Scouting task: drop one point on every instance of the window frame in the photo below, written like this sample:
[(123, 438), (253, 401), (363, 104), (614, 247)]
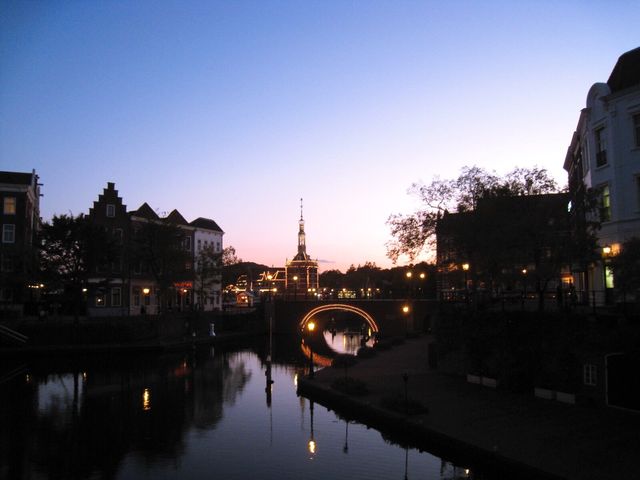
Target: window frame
[(601, 146), (111, 210), (8, 231), (605, 206), (590, 374), (100, 299), (6, 201), (114, 296)]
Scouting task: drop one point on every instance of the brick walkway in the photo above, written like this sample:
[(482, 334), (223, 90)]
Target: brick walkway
[(564, 440)]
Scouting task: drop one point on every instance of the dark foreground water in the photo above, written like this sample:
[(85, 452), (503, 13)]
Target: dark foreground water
[(201, 414)]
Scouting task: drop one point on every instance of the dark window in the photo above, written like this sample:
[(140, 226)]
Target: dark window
[(8, 233), (116, 297), (590, 374), (6, 264), (111, 210), (117, 233), (601, 147), (636, 128)]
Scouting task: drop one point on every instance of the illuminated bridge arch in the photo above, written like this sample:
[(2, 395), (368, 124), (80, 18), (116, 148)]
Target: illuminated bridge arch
[(343, 307)]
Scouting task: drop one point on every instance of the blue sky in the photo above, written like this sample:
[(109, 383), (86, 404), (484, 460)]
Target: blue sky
[(235, 110)]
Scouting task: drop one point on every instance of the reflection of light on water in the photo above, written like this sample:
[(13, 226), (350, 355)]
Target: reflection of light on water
[(345, 342), (295, 380), (146, 399), (312, 447)]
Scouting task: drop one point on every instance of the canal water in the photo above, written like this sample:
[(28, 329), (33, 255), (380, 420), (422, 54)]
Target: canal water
[(203, 413)]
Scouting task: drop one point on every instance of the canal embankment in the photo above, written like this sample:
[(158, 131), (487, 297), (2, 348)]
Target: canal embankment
[(172, 331), (487, 429)]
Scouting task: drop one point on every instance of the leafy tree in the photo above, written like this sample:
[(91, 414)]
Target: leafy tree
[(71, 249), (414, 234), (208, 272), (229, 256), (626, 266), (159, 246)]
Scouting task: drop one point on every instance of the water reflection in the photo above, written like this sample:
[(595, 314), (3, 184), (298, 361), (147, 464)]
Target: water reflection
[(194, 414)]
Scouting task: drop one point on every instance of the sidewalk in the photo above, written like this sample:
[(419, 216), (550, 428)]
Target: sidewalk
[(566, 441)]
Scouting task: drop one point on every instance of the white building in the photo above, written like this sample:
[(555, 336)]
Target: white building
[(207, 237), (605, 155)]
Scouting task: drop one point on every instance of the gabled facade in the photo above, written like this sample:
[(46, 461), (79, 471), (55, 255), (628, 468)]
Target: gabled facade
[(140, 280), (604, 155), (207, 238), (20, 224)]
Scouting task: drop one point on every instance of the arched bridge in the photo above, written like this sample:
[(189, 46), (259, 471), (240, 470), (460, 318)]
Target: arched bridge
[(386, 317)]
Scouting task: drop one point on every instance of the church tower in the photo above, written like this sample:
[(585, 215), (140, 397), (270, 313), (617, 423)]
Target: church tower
[(301, 273)]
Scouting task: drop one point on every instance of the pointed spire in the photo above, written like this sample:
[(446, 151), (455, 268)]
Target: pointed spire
[(302, 248)]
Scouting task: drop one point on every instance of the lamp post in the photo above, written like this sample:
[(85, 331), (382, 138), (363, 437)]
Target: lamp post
[(409, 275), (406, 310), (606, 251), (311, 326), (524, 287), (422, 277), (465, 268)]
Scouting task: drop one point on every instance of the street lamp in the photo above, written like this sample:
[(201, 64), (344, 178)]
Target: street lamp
[(421, 290)]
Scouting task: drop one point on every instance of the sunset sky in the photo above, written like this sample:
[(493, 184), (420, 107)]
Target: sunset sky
[(234, 110)]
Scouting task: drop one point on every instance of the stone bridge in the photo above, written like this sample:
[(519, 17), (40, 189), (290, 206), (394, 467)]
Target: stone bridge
[(387, 317)]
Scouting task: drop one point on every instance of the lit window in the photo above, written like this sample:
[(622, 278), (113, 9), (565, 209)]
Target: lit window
[(590, 374), (605, 204), (100, 299), (8, 233), (116, 297), (9, 205), (601, 147), (636, 128), (111, 210)]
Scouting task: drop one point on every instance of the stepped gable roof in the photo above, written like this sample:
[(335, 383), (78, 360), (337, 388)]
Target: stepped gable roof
[(206, 223), (626, 72), (176, 218), (145, 211), (16, 178)]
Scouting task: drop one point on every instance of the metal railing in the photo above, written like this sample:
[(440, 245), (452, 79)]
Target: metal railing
[(12, 335)]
